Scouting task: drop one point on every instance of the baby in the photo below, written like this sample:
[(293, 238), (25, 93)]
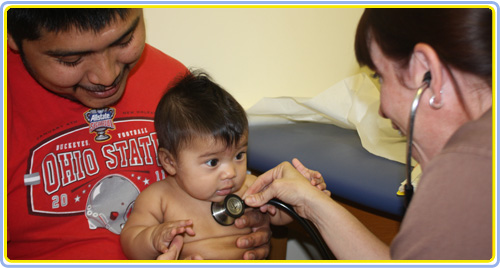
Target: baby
[(203, 139)]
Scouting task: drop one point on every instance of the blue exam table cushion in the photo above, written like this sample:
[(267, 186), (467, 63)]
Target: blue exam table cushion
[(350, 172)]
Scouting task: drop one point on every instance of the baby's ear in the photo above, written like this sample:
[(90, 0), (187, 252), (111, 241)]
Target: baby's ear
[(167, 161)]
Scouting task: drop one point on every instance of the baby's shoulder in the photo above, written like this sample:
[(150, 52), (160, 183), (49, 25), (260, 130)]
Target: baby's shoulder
[(156, 197), (250, 179), (159, 188)]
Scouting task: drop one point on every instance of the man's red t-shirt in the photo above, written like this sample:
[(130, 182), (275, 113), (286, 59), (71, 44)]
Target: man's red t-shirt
[(73, 172)]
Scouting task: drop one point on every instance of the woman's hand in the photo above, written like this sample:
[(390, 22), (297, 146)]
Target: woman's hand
[(287, 184), (258, 242), (313, 176)]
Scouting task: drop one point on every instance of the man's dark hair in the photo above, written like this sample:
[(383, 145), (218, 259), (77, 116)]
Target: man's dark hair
[(194, 107), (28, 23)]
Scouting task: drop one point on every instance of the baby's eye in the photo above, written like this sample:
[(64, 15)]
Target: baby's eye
[(212, 162), (240, 156)]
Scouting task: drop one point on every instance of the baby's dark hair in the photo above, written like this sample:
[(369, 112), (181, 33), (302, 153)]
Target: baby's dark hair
[(196, 106)]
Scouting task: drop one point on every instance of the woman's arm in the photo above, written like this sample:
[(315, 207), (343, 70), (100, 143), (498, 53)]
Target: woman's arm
[(345, 235)]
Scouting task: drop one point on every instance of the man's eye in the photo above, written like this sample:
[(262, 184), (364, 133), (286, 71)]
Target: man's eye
[(212, 162), (70, 61), (126, 42)]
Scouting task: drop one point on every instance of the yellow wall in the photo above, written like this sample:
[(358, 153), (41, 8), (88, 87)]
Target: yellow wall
[(260, 52)]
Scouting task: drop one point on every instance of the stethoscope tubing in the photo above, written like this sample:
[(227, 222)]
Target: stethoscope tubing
[(232, 207), (313, 232), (409, 189)]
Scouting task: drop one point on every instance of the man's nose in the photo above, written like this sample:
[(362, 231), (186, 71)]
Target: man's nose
[(104, 69)]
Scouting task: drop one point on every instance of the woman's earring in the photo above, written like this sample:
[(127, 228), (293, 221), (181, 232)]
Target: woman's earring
[(434, 104)]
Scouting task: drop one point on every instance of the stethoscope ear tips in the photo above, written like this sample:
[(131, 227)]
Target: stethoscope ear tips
[(427, 77)]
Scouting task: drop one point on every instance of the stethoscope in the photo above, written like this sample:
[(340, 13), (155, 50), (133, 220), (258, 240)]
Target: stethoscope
[(233, 207), (409, 189)]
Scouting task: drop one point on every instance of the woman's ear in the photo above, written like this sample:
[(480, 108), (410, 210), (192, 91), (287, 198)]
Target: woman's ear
[(11, 43), (425, 59), (167, 161)]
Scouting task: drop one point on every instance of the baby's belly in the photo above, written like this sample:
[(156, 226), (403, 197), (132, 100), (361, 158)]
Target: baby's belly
[(221, 248)]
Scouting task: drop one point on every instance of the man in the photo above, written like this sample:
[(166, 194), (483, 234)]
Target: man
[(82, 87)]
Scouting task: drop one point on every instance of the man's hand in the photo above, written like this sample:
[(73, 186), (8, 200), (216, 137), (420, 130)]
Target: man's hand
[(258, 242), (166, 233), (174, 250)]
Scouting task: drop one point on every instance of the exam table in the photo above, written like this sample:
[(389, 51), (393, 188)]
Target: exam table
[(350, 172), (355, 177)]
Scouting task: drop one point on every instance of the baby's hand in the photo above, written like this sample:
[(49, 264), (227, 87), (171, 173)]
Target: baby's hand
[(174, 251), (313, 176), (168, 233)]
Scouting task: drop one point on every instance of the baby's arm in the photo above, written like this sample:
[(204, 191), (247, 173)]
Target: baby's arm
[(145, 236)]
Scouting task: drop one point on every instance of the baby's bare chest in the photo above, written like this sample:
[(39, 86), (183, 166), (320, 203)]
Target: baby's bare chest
[(204, 225)]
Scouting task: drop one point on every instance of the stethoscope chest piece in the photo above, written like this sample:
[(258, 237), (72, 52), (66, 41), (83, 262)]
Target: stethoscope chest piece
[(227, 211), (233, 207)]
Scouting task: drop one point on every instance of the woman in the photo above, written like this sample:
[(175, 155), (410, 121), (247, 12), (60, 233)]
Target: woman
[(446, 54)]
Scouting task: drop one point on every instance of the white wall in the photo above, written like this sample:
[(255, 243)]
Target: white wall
[(260, 52)]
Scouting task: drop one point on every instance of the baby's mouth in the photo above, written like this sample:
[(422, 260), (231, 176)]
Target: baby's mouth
[(225, 191)]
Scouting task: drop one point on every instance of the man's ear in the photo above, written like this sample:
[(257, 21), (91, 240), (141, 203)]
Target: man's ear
[(167, 161), (425, 59), (11, 43)]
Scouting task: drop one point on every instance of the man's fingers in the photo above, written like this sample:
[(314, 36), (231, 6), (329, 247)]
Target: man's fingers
[(258, 238), (194, 257), (259, 253), (251, 218), (169, 255), (174, 249)]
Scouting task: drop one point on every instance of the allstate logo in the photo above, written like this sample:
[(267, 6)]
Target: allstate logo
[(100, 121)]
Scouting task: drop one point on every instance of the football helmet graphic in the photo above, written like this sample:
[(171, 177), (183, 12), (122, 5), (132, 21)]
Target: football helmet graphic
[(110, 202)]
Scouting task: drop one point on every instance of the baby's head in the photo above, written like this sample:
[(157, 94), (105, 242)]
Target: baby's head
[(197, 107)]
